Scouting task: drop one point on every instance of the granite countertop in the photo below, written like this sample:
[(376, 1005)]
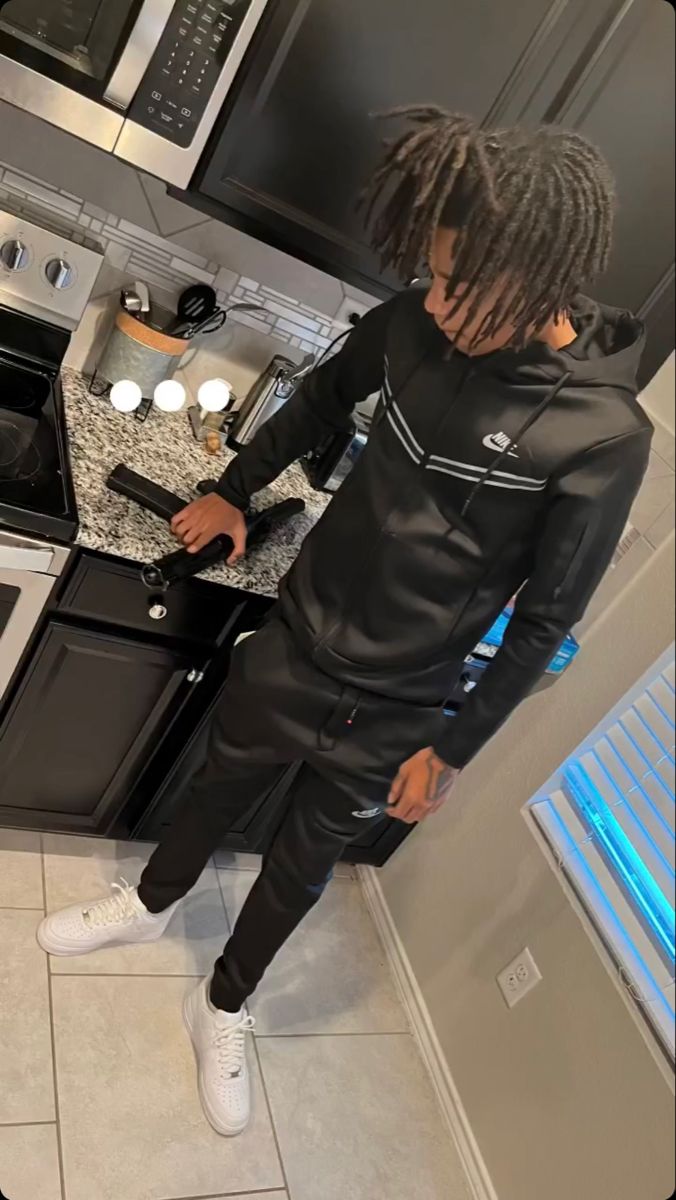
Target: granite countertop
[(164, 449)]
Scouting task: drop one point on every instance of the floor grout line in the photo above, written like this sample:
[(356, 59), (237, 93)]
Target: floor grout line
[(261, 1037), (120, 974), (225, 907), (237, 1195), (25, 1124), (59, 1146), (272, 1121), (21, 908)]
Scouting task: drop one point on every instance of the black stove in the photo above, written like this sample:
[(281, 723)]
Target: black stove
[(36, 489), (46, 279)]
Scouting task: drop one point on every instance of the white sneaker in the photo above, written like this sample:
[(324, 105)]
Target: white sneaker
[(218, 1040), (113, 921)]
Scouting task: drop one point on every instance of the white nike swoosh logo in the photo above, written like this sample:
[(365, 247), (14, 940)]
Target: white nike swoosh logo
[(492, 443)]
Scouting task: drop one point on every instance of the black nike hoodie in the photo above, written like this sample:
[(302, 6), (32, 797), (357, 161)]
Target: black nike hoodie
[(482, 477)]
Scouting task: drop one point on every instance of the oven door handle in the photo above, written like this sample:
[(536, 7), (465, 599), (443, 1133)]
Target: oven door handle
[(23, 554), (138, 52)]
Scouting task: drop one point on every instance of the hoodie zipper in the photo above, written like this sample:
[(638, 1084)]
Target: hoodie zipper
[(462, 382)]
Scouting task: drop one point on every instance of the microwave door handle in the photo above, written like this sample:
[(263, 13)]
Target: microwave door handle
[(138, 52)]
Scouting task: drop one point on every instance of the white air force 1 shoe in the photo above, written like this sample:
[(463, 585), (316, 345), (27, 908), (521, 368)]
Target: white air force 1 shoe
[(112, 921), (219, 1042)]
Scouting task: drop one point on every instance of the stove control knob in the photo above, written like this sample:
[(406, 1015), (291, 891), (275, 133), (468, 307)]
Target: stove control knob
[(59, 273), (15, 255)]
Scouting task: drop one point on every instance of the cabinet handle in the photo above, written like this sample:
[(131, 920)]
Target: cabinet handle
[(157, 612), (195, 676)]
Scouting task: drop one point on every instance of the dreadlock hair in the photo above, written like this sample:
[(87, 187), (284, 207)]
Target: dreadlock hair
[(533, 211)]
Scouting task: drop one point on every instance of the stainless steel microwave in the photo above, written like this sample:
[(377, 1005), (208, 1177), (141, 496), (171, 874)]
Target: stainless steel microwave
[(143, 79)]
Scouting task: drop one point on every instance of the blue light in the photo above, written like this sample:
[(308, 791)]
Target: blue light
[(602, 906), (638, 787), (627, 863), (563, 657), (622, 799)]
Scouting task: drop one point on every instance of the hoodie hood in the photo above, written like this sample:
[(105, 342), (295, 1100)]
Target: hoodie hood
[(606, 352)]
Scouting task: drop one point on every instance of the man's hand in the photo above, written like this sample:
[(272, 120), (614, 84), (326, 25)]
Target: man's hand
[(204, 519), (422, 785)]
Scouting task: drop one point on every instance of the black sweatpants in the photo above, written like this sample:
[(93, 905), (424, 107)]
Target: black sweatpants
[(277, 709)]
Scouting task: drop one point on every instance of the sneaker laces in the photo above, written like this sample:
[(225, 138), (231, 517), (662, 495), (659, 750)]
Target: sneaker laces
[(229, 1044), (113, 910)]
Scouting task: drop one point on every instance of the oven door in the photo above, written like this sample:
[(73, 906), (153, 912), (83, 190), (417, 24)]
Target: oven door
[(78, 63), (28, 572)]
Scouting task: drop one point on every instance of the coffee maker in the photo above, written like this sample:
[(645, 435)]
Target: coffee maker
[(270, 391)]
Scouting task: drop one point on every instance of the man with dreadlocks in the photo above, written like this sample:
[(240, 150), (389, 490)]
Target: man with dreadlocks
[(505, 453)]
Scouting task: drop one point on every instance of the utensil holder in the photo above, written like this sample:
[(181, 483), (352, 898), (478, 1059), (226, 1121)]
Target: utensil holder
[(136, 351)]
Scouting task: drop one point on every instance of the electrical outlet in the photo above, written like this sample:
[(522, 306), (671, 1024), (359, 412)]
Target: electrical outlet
[(351, 309), (518, 978)]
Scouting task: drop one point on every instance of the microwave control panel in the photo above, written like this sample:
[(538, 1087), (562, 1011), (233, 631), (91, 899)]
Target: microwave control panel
[(190, 56)]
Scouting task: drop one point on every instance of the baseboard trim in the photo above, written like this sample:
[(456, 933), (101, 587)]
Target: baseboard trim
[(433, 1056)]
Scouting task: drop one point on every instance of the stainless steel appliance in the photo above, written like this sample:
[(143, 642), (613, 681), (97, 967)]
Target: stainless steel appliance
[(145, 79), (329, 465), (270, 391), (28, 571), (45, 283)]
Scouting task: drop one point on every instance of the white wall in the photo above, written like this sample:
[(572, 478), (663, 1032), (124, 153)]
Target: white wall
[(563, 1095)]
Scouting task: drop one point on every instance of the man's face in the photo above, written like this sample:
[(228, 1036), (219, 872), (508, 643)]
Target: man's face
[(439, 306)]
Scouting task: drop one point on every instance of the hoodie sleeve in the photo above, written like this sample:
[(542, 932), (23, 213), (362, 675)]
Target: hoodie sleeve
[(589, 507), (321, 406)]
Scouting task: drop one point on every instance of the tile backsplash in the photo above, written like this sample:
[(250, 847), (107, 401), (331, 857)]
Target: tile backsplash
[(54, 179)]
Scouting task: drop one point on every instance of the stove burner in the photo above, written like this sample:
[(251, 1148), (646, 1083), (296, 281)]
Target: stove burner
[(20, 459), (35, 488)]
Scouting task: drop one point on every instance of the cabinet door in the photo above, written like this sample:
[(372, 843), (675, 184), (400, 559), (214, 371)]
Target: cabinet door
[(253, 828), (622, 98), (298, 144), (82, 721)]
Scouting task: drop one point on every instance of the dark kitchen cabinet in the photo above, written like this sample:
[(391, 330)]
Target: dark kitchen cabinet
[(622, 99), (83, 719), (295, 144)]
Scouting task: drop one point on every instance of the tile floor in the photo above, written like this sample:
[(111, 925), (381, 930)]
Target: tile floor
[(97, 1077)]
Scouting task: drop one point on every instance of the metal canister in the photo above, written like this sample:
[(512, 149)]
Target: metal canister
[(139, 352)]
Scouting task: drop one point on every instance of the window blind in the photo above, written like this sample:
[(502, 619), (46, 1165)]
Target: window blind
[(608, 816)]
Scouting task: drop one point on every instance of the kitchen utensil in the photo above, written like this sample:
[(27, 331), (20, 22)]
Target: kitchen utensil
[(270, 391), (143, 293), (209, 324), (195, 304), (214, 321), (130, 301)]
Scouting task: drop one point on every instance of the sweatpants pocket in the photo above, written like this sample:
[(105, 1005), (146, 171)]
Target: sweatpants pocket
[(340, 722)]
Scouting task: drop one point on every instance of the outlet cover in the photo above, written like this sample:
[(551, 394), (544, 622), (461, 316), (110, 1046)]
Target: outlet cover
[(519, 978), (351, 308)]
